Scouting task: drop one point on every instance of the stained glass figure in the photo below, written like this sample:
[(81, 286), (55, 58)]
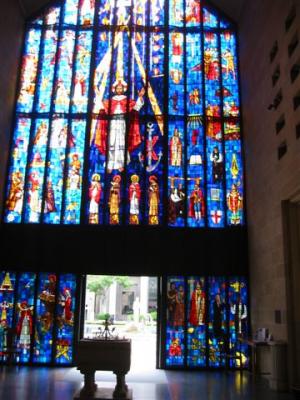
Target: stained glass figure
[(175, 344), (7, 294), (197, 315), (217, 315), (44, 317), (148, 101), (238, 323), (65, 319), (25, 313)]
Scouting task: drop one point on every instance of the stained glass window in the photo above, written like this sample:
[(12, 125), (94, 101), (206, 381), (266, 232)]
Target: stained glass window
[(205, 318), (128, 113), (37, 315)]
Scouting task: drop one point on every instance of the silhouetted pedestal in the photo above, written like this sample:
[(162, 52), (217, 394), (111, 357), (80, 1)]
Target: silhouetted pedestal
[(103, 355)]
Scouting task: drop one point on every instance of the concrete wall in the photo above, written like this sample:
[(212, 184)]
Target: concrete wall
[(11, 31), (269, 180)]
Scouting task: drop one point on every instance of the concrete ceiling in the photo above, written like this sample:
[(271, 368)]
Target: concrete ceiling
[(232, 8)]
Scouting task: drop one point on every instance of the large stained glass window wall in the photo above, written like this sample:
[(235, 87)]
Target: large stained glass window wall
[(128, 113)]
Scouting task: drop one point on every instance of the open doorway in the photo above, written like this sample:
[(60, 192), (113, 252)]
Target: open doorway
[(130, 303)]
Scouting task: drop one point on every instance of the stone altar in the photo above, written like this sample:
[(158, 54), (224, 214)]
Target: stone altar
[(104, 355)]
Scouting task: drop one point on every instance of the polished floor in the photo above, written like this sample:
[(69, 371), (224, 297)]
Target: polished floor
[(25, 383)]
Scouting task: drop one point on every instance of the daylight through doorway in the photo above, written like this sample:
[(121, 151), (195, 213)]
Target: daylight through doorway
[(130, 303)]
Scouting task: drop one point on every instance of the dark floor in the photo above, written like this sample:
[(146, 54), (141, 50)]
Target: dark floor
[(24, 383)]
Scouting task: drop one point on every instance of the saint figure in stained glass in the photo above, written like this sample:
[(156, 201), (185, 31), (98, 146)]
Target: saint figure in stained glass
[(115, 129)]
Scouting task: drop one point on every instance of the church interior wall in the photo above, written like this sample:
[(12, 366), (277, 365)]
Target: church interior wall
[(270, 180)]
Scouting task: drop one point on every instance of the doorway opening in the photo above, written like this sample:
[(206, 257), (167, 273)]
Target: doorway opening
[(130, 305)]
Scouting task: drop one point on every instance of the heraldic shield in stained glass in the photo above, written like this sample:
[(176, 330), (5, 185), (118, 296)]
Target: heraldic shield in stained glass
[(127, 113)]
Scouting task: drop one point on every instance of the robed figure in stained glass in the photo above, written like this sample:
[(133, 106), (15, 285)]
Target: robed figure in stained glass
[(112, 133)]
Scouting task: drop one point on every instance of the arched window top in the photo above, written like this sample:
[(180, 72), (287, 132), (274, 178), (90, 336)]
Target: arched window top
[(128, 113)]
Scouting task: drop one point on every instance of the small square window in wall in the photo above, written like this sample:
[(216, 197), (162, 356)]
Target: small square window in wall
[(280, 124), (274, 51), (282, 149), (290, 19), (298, 131), (293, 44), (296, 100), (276, 75), (295, 70)]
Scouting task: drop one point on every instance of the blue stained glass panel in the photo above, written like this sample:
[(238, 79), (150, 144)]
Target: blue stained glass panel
[(52, 16), (193, 13), (217, 314), (154, 172), (55, 177), (71, 12), (25, 315), (176, 162), (29, 71), (35, 180), (234, 182), (96, 178), (230, 89), (65, 319), (106, 13), (196, 329), (16, 178), (135, 191), (102, 79), (176, 12), (7, 294), (175, 342), (87, 12), (176, 74), (75, 170), (64, 75), (82, 74), (45, 78), (155, 104), (44, 318), (140, 14), (210, 20), (157, 13), (238, 321)]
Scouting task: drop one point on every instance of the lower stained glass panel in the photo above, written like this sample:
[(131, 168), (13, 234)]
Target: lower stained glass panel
[(7, 294), (24, 320), (37, 317), (65, 319), (45, 306), (196, 332), (175, 346), (203, 329)]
